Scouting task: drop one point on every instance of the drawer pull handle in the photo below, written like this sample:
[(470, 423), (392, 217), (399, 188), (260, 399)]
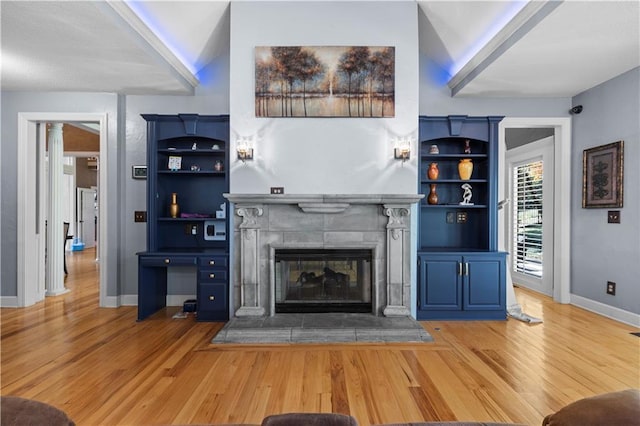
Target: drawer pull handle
[(212, 275), (166, 261), (212, 298), (212, 262)]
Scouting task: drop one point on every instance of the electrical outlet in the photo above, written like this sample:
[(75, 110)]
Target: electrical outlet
[(461, 217), (611, 288), (277, 189), (139, 216)]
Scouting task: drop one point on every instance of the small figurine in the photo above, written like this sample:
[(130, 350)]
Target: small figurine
[(194, 146), (467, 147), (217, 166), (466, 196), (195, 168), (434, 149), (215, 147)]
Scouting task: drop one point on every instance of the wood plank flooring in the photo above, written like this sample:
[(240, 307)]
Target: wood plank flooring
[(104, 368)]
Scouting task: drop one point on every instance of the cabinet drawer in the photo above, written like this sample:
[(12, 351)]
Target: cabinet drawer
[(212, 275), (167, 260), (213, 261), (212, 297)]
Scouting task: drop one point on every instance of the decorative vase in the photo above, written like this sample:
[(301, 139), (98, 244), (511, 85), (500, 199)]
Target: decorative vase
[(174, 209), (465, 168), (467, 147), (432, 172), (433, 196)]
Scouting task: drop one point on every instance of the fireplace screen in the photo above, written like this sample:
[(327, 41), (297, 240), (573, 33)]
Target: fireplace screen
[(323, 280)]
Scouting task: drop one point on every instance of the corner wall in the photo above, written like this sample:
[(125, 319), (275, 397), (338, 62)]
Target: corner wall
[(601, 251)]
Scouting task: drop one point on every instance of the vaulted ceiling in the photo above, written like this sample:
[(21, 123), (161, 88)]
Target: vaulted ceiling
[(486, 48)]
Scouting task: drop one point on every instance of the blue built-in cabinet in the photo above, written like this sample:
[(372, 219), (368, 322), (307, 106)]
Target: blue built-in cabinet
[(461, 275), (187, 155)]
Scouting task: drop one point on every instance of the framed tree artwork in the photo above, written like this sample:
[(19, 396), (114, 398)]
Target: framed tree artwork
[(325, 81), (602, 176)]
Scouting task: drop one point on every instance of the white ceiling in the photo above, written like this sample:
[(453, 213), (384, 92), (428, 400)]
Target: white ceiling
[(531, 49)]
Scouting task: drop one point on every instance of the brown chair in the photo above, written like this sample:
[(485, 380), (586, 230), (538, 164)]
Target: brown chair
[(65, 230), (309, 419), (613, 408), (16, 411)]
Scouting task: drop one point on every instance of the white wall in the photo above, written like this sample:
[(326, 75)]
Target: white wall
[(601, 251), (323, 155)]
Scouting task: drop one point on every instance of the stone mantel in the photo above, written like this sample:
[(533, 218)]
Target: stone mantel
[(263, 223), (324, 198)]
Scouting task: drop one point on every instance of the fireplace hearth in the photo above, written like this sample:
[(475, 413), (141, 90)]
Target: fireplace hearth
[(272, 232)]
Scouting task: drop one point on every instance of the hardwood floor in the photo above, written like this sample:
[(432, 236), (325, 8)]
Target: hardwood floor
[(104, 368)]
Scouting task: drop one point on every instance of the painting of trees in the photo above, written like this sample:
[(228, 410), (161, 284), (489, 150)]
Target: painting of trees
[(301, 81)]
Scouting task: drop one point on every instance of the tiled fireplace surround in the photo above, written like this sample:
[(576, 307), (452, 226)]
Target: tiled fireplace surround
[(263, 224)]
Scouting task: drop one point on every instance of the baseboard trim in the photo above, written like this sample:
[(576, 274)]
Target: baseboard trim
[(9, 302), (112, 302), (606, 310)]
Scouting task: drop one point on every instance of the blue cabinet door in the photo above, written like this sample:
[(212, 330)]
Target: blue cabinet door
[(441, 286), (483, 282)]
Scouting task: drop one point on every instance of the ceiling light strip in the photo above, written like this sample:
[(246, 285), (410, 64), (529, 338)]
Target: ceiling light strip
[(141, 28), (530, 15)]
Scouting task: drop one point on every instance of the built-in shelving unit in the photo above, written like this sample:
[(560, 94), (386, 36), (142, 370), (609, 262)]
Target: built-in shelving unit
[(461, 273)]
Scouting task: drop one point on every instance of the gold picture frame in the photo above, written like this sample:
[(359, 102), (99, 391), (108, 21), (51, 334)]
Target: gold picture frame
[(602, 176)]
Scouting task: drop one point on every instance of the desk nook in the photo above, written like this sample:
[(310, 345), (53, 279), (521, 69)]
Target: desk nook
[(187, 215)]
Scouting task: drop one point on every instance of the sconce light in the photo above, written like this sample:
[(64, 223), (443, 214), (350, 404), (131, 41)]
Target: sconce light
[(244, 149), (402, 150)]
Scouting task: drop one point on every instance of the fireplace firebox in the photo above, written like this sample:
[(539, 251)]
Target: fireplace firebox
[(323, 280)]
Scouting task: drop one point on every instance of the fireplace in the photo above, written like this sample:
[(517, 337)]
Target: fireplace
[(273, 235), (319, 280)]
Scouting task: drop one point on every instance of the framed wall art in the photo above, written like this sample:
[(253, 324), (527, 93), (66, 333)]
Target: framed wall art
[(332, 81), (602, 176)]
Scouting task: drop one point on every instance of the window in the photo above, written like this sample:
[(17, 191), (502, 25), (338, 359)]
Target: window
[(527, 210)]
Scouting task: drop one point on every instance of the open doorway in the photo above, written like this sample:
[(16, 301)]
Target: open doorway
[(32, 204), (561, 198), (530, 212)]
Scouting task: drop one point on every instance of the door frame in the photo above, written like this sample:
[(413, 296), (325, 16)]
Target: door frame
[(541, 149), (27, 241), (561, 196)]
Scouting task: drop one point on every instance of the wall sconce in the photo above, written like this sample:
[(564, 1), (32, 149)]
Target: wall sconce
[(244, 149), (402, 150)]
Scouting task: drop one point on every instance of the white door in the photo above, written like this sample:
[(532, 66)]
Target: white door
[(530, 182)]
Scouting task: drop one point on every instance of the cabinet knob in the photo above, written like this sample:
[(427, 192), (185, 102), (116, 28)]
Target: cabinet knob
[(212, 275), (212, 298), (212, 262), (166, 261)]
